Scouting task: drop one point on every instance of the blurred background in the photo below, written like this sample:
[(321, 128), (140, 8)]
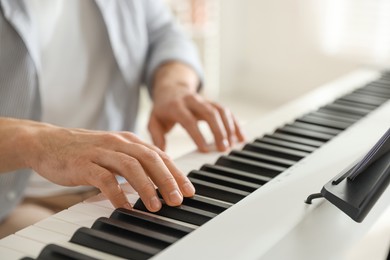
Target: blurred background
[(259, 54)]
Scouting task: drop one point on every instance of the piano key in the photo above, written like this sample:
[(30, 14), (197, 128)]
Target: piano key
[(183, 213), (348, 109), (91, 210), (56, 252), (355, 104), (286, 144), (263, 158), (364, 99), (288, 129), (89, 251), (377, 89), (370, 93), (234, 173), (7, 253), (384, 83), (208, 204), (23, 245), (281, 152), (324, 110), (42, 235), (58, 225), (324, 122), (217, 191), (111, 244), (333, 116), (134, 232), (223, 180), (154, 223), (251, 166), (296, 139), (316, 128), (76, 218)]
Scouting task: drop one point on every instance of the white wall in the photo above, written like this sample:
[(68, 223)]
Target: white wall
[(270, 50)]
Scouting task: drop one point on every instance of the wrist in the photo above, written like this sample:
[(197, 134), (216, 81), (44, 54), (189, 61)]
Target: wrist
[(175, 77)]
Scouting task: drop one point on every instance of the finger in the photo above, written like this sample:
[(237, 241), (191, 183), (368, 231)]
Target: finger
[(187, 120), (157, 171), (157, 133), (210, 114), (108, 185), (238, 129), (132, 170), (228, 122), (183, 182)]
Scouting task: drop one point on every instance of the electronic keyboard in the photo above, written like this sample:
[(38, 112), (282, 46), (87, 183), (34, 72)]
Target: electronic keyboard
[(250, 201)]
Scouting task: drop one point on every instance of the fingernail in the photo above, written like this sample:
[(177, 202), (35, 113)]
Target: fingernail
[(175, 197), (188, 189), (155, 203)]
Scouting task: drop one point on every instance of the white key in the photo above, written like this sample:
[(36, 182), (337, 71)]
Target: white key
[(11, 254), (23, 245), (42, 235), (58, 225), (91, 210), (75, 218)]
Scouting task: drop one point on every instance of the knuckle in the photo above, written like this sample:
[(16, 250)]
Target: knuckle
[(129, 163), (150, 156), (145, 188), (109, 137), (168, 181)]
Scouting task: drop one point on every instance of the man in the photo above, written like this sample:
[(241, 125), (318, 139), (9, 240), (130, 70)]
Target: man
[(79, 65)]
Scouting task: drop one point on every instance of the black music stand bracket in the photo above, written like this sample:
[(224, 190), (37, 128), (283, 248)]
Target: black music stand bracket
[(356, 190)]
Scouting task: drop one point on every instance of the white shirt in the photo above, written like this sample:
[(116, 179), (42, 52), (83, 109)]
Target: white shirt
[(77, 63)]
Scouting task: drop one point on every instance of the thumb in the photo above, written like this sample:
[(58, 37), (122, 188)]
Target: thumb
[(157, 133)]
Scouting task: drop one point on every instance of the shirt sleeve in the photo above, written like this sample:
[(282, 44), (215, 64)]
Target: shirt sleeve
[(167, 41)]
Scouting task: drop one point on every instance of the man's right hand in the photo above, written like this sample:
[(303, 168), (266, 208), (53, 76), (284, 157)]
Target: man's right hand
[(72, 157)]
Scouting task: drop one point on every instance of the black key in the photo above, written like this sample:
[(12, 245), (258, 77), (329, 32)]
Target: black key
[(364, 99), (333, 116), (112, 244), (348, 109), (296, 139), (263, 158), (304, 133), (183, 213), (384, 83), (153, 223), (316, 128), (217, 191), (370, 93), (204, 203), (377, 89), (207, 204), (324, 122), (55, 252), (242, 164), (286, 153), (331, 112), (223, 180), (286, 144), (130, 231), (234, 173), (354, 104)]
